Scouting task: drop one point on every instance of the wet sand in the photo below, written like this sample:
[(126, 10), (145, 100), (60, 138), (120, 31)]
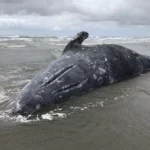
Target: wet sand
[(112, 117)]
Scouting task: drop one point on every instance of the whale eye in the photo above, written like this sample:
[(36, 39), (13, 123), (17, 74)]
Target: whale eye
[(37, 97), (38, 106)]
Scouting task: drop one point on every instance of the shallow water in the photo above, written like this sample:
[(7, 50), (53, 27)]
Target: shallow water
[(112, 117)]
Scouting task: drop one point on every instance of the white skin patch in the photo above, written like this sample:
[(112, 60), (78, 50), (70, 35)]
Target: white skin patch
[(111, 79), (46, 78), (38, 106), (67, 56), (105, 59), (35, 81), (94, 76), (58, 81), (102, 70), (18, 105)]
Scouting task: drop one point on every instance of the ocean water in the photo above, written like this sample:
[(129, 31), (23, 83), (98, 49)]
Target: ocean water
[(109, 118)]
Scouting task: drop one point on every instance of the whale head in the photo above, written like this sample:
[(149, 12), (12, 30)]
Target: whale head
[(62, 79), (28, 101)]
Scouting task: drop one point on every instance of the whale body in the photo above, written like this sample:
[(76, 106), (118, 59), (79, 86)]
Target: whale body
[(79, 69)]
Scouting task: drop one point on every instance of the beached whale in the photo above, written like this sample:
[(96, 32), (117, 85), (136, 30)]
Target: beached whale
[(79, 69)]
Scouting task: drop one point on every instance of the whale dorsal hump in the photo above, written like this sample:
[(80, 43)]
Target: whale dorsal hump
[(80, 37), (77, 40)]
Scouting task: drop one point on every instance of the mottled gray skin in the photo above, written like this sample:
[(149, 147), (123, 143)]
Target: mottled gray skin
[(79, 69)]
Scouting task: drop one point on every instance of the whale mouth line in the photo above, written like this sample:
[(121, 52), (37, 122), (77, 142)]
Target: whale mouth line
[(58, 75), (70, 87)]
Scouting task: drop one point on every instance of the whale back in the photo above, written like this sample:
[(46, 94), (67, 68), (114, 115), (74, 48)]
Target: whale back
[(117, 62)]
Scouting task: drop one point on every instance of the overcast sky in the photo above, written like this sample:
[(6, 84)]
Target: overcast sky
[(66, 17)]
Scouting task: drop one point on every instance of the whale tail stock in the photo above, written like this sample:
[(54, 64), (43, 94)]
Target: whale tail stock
[(77, 40), (146, 62)]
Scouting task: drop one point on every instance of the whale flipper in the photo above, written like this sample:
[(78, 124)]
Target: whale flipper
[(77, 41)]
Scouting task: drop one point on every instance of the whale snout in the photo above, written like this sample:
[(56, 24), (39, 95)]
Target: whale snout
[(23, 110), (16, 111)]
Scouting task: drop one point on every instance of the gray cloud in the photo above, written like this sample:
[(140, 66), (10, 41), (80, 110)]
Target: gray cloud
[(74, 15), (43, 8), (124, 12)]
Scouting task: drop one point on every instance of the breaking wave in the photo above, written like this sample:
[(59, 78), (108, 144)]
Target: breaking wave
[(55, 114), (27, 41)]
